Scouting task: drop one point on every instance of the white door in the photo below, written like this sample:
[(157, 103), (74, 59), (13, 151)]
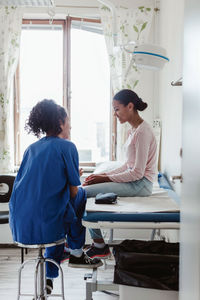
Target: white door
[(190, 225)]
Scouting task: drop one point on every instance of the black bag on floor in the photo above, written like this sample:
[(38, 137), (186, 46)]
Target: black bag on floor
[(147, 264)]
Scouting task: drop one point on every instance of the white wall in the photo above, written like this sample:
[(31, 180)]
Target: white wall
[(170, 35), (169, 102), (190, 225)]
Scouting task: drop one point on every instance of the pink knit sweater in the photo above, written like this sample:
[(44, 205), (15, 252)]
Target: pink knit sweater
[(141, 156)]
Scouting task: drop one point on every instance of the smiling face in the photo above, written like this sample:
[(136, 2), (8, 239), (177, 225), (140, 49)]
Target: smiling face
[(123, 113)]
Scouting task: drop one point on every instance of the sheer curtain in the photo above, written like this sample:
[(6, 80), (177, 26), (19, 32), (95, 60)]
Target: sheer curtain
[(132, 24), (10, 24)]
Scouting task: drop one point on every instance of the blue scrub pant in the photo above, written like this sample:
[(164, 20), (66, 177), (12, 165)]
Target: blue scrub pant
[(139, 188), (75, 233)]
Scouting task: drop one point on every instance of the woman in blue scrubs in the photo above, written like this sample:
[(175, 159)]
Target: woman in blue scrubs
[(46, 202)]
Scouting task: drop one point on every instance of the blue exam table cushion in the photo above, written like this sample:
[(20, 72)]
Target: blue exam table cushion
[(131, 217)]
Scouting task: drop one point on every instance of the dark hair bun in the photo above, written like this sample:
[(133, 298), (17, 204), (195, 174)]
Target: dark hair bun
[(141, 105), (126, 96)]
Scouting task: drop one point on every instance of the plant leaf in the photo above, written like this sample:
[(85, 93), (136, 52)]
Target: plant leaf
[(135, 83), (143, 26)]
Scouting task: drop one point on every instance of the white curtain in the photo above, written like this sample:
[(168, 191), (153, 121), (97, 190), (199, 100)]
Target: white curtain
[(10, 31), (132, 24)]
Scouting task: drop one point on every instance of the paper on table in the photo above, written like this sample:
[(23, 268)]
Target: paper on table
[(158, 202)]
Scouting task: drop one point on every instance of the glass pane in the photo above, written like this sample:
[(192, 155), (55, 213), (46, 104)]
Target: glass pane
[(90, 102), (41, 72)]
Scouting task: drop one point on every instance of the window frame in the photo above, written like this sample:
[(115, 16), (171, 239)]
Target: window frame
[(67, 25)]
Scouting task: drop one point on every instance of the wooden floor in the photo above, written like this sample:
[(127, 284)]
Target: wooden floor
[(73, 278)]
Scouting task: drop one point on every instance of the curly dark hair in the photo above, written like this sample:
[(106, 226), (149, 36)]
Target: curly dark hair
[(45, 117)]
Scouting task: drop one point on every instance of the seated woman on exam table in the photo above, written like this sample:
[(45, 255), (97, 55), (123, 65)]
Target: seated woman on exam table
[(135, 177)]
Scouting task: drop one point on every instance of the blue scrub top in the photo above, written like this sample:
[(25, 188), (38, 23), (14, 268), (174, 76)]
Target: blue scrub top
[(40, 201)]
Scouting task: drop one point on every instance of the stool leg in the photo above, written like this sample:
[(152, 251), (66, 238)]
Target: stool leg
[(45, 281), (41, 275), (61, 275), (41, 278), (22, 255), (35, 281), (20, 276), (62, 283), (19, 283)]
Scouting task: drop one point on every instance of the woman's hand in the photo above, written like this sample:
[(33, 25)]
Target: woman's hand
[(96, 178), (81, 172)]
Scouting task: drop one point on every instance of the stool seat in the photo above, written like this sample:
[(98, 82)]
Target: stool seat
[(43, 246), (40, 286)]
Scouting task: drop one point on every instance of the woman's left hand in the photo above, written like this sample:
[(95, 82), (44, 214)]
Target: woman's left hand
[(95, 178)]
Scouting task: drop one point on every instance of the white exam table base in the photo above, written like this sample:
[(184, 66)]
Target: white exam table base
[(94, 285), (131, 225)]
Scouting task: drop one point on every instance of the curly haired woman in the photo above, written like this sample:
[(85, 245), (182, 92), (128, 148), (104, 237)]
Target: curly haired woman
[(46, 202)]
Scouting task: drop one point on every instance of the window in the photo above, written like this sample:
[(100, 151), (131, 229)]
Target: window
[(76, 76), (41, 65), (90, 98)]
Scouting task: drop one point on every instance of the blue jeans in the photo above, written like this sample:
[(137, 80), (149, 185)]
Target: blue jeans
[(75, 235), (138, 188)]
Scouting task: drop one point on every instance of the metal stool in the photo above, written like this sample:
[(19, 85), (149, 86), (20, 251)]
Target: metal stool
[(40, 291)]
